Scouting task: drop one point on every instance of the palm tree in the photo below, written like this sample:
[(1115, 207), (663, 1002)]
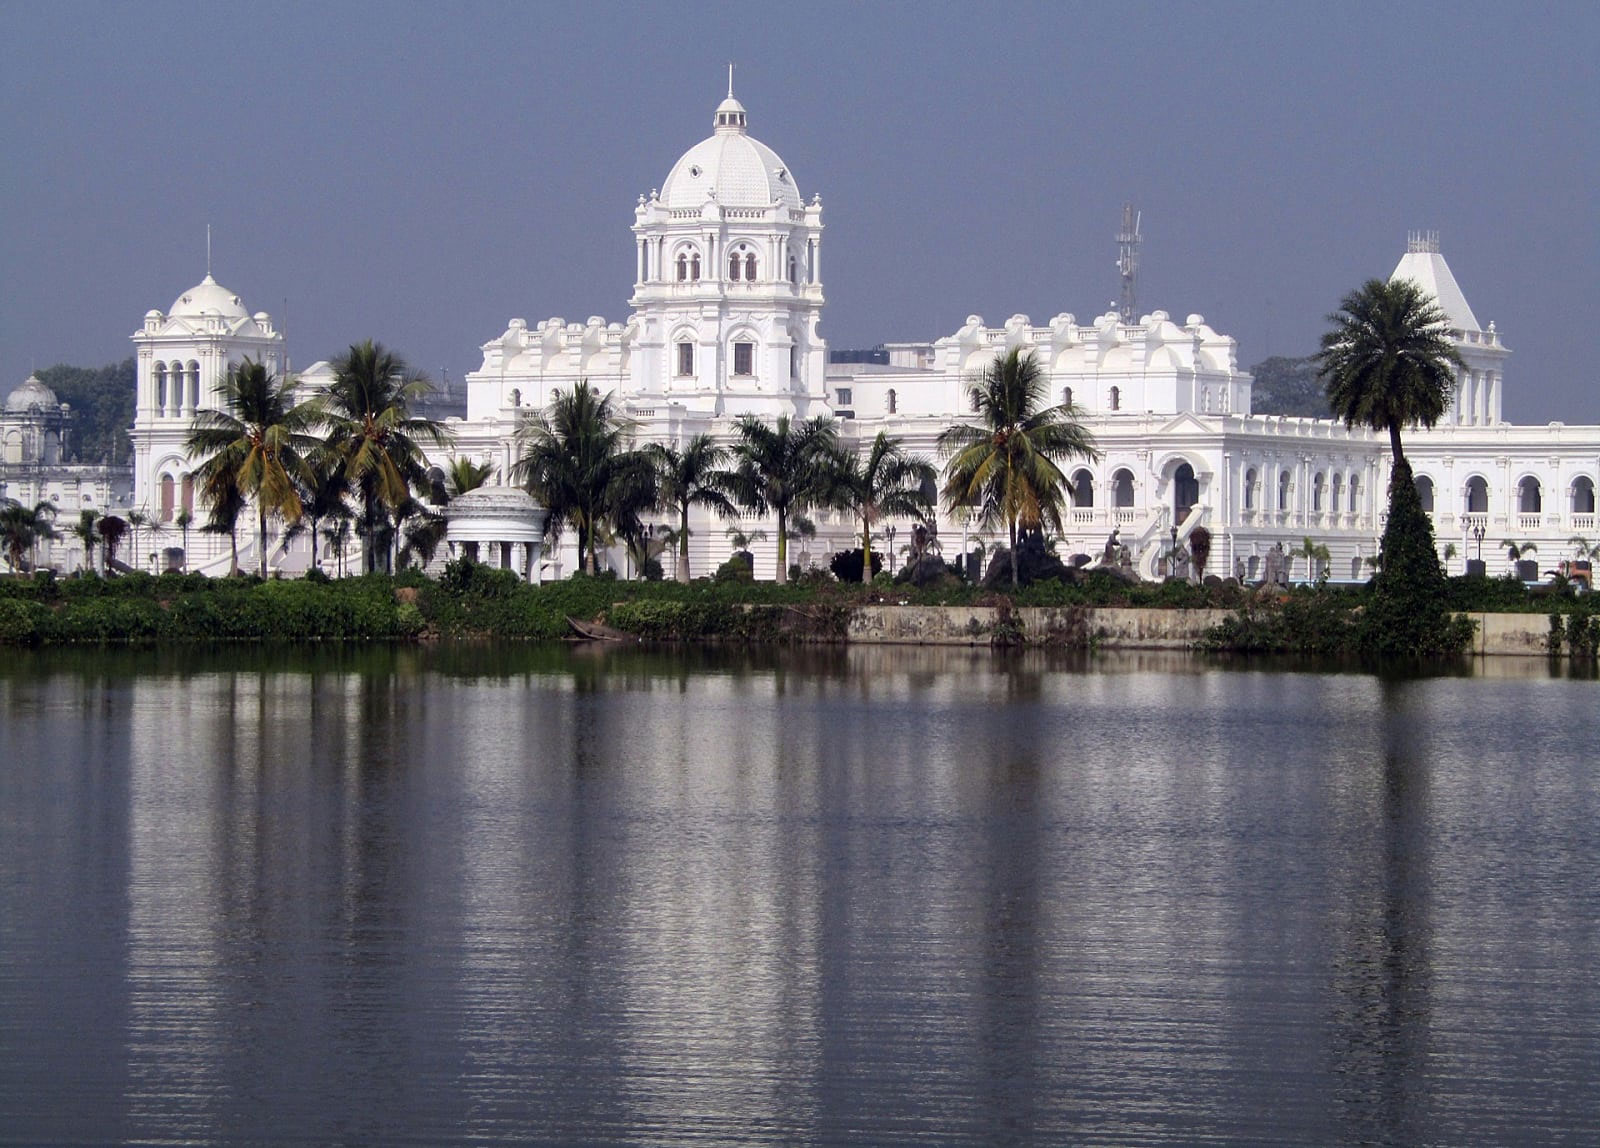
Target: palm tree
[(1313, 552), (87, 531), (690, 477), (783, 469), (373, 435), (136, 520), (1388, 362), (185, 520), (885, 483), (322, 496), (575, 460), (337, 535), (259, 442), (225, 504), (425, 534), (463, 475), (1007, 468), (21, 528), (112, 529)]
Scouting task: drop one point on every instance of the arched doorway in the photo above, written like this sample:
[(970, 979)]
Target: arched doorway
[(1185, 491)]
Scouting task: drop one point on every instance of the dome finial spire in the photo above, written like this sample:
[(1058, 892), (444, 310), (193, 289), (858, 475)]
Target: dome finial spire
[(730, 79)]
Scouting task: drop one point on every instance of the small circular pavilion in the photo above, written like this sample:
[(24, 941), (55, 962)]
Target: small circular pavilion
[(499, 525)]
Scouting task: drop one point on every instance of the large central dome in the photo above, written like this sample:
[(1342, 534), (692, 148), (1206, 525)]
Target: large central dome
[(730, 168)]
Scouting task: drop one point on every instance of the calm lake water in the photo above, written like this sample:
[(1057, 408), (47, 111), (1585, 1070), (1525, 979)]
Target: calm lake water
[(870, 896)]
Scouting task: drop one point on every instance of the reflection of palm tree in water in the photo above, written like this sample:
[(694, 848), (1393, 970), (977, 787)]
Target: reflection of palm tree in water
[(1383, 970)]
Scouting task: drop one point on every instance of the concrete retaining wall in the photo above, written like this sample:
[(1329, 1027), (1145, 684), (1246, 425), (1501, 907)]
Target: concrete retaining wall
[(1123, 628)]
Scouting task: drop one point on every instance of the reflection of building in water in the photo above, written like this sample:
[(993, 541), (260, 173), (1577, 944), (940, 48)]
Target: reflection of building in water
[(725, 320)]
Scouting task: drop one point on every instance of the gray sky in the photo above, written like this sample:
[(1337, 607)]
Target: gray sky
[(420, 174)]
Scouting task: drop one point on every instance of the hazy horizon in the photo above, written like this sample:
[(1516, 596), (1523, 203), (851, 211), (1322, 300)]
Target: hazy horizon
[(422, 174)]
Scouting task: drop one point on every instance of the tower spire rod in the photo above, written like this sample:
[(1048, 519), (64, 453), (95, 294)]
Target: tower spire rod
[(730, 79), (208, 251)]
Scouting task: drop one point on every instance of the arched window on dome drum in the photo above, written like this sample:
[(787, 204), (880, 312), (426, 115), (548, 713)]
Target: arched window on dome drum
[(161, 386), (1425, 492), (1116, 398), (1250, 489), (194, 385), (750, 268), (683, 268), (733, 266), (168, 490), (894, 401)]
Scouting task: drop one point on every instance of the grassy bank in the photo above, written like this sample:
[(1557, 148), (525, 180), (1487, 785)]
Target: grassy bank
[(476, 601)]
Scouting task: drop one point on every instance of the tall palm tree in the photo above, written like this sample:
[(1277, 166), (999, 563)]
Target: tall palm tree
[(1388, 362), (783, 469), (886, 482), (1007, 467), (185, 520), (463, 475), (259, 442), (137, 520), (87, 531), (575, 459), (224, 505), (323, 489), (373, 434), (22, 528), (690, 477)]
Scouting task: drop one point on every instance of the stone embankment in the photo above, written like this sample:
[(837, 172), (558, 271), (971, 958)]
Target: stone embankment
[(1110, 627)]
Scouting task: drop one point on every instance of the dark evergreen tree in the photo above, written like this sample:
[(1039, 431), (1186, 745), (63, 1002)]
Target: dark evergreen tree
[(1408, 615)]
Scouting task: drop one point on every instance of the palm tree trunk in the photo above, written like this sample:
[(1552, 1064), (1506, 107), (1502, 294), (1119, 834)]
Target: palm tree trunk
[(683, 545), (783, 547), (261, 538), (866, 552), (1016, 576), (233, 548), (1394, 442)]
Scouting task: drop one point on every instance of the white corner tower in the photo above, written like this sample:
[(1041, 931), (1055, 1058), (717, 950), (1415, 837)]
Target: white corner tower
[(1479, 389), (728, 287), (181, 358)]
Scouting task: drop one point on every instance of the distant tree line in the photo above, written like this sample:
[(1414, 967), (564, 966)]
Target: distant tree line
[(1289, 386), (102, 400)]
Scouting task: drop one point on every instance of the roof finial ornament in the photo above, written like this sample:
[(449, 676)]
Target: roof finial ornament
[(730, 79), (208, 251)]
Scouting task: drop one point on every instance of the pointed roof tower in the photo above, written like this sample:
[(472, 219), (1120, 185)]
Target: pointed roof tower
[(1424, 265)]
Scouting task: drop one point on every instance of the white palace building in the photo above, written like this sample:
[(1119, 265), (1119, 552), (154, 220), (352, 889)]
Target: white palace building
[(726, 319)]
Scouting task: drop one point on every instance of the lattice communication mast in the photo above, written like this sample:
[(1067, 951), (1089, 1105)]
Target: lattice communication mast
[(1128, 261)]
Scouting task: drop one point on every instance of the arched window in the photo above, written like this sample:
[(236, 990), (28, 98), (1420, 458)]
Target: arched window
[(1116, 398), (168, 490), (793, 270), (744, 358), (734, 262), (186, 494), (1066, 396), (1122, 489), (1355, 493), (161, 386), (1318, 485), (1336, 500), (1583, 495), (685, 358), (1250, 489), (194, 385), (1530, 496), (750, 268), (1477, 495), (973, 394), (683, 268), (1082, 489), (893, 401), (1185, 491), (1425, 492), (1283, 491), (694, 267)]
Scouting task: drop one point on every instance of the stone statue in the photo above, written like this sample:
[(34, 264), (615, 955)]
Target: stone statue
[(1112, 546)]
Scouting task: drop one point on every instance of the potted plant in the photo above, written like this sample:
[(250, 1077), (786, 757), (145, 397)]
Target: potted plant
[(1526, 569)]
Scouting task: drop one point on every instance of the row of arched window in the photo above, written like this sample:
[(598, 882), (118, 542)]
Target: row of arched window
[(742, 266), (1082, 481), (1331, 495), (174, 494), (1530, 495), (177, 386)]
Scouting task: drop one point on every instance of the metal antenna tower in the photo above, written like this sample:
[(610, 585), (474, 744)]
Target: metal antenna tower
[(1128, 261)]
